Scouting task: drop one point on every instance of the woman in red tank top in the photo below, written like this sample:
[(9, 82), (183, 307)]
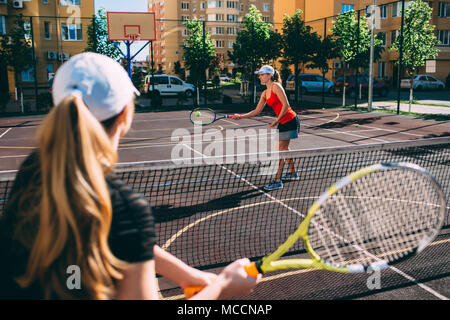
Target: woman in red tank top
[(287, 122)]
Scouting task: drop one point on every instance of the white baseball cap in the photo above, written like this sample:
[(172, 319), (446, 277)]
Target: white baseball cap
[(265, 69), (102, 83)]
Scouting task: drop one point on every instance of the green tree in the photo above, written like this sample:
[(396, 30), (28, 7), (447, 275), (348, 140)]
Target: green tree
[(256, 44), (326, 51), (15, 49), (419, 40), (354, 48), (198, 51), (178, 70), (299, 44), (97, 40)]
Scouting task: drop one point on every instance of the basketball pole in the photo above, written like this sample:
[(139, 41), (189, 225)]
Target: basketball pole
[(128, 56)]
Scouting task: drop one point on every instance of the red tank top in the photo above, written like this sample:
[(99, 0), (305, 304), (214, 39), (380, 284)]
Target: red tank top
[(276, 105)]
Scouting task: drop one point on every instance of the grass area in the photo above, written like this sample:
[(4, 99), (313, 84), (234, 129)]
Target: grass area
[(420, 103)]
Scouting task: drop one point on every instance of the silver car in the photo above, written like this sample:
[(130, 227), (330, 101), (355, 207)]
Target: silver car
[(423, 82), (309, 83), (167, 85)]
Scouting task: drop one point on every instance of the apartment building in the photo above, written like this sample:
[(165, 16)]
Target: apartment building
[(222, 19), (389, 27), (57, 29)]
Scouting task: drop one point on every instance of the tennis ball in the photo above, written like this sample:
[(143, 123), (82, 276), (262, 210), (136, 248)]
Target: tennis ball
[(198, 114), (356, 125)]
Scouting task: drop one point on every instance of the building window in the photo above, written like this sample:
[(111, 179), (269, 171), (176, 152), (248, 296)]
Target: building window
[(232, 17), (381, 70), (383, 11), (231, 30), (394, 35), (184, 6), (397, 8), (443, 37), (220, 30), (45, 1), (219, 17), (444, 9), (72, 32), (219, 43), (232, 4), (184, 18), (2, 25), (266, 7), (27, 28), (346, 7), (382, 36), (27, 75), (47, 30), (266, 19), (202, 5), (67, 3)]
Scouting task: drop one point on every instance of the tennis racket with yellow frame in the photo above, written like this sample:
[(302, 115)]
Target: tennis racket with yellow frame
[(372, 218)]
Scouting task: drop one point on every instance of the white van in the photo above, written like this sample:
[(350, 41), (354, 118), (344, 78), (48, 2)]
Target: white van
[(167, 85)]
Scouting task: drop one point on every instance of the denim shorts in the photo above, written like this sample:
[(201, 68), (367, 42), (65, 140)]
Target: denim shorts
[(289, 130)]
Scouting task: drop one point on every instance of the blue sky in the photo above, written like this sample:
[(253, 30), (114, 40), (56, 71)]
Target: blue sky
[(126, 6)]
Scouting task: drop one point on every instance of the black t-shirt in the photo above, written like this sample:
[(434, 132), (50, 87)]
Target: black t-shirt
[(131, 238)]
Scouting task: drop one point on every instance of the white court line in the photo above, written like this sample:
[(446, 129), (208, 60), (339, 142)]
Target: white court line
[(350, 134), (18, 156), (1, 136), (301, 215)]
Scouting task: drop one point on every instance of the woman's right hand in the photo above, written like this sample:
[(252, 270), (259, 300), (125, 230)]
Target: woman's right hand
[(236, 116), (235, 279)]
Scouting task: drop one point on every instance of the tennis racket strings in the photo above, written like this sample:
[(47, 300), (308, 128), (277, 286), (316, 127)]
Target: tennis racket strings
[(202, 117), (381, 217)]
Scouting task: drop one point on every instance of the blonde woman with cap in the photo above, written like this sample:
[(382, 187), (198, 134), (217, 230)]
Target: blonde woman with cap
[(67, 208), (287, 121)]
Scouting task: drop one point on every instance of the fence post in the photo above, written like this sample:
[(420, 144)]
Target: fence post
[(400, 71), (356, 90), (34, 65)]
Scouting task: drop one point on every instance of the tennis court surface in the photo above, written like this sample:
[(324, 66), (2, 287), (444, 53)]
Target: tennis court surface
[(214, 210)]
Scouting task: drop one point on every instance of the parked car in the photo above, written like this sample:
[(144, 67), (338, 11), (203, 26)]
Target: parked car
[(423, 82), (224, 77), (167, 85), (352, 87), (309, 83)]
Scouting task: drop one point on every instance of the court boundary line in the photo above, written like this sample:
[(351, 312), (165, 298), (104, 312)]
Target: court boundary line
[(406, 276), (293, 273)]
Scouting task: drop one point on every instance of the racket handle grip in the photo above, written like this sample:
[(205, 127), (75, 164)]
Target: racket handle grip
[(251, 270)]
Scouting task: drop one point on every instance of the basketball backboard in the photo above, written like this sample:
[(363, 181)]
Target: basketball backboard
[(131, 26)]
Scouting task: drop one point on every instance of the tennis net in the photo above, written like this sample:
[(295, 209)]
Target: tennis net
[(214, 210)]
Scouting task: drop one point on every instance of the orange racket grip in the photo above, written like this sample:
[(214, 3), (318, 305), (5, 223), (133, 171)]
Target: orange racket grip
[(189, 292), (252, 270)]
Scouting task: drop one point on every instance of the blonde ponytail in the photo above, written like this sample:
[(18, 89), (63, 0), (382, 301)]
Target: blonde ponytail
[(73, 215)]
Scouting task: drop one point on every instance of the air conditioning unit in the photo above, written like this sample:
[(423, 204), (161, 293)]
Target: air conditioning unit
[(18, 4), (51, 55), (337, 65), (64, 56)]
